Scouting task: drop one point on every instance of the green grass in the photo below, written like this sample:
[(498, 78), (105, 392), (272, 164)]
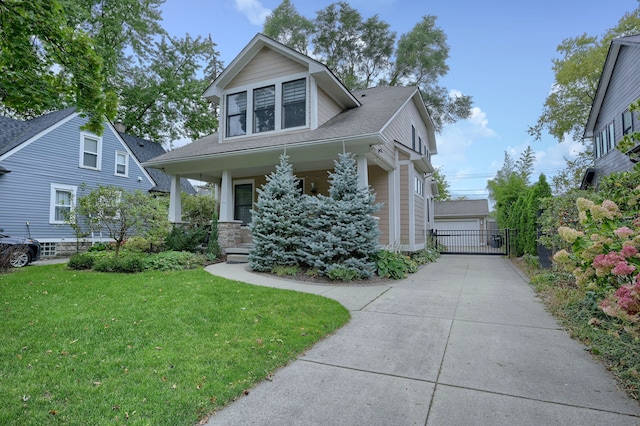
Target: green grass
[(155, 348)]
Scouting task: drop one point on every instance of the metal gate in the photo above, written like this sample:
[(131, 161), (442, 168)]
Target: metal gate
[(494, 241)]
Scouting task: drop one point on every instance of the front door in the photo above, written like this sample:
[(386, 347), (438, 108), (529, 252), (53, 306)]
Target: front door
[(243, 202)]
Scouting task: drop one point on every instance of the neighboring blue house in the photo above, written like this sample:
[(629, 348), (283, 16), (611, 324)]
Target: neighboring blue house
[(44, 163)]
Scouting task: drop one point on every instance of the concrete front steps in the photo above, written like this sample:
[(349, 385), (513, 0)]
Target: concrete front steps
[(239, 254)]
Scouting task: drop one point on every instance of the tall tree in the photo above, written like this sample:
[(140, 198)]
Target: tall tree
[(361, 53), (288, 27), (524, 165), (505, 189), (48, 64), (577, 72)]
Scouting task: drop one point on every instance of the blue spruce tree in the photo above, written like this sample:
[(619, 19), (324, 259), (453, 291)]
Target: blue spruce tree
[(276, 223), (341, 237)]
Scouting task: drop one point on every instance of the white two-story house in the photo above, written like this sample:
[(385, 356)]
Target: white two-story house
[(274, 100)]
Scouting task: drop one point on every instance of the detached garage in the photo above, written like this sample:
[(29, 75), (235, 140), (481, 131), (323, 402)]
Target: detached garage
[(462, 223)]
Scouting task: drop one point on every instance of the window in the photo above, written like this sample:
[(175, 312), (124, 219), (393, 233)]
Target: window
[(419, 186), (63, 198), (122, 163), (243, 202), (627, 122), (596, 145), (264, 109), (90, 148), (237, 114), (611, 139), (294, 103), (420, 145), (413, 137), (47, 249)]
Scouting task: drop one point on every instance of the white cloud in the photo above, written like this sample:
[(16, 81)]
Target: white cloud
[(253, 10)]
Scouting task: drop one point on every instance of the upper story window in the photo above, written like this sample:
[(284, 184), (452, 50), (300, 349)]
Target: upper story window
[(294, 103), (237, 114), (419, 185), (264, 109), (282, 105), (122, 163), (90, 152), (605, 140), (413, 137), (627, 122)]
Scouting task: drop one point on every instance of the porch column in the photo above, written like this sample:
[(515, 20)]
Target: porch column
[(175, 205), (363, 174), (226, 197)]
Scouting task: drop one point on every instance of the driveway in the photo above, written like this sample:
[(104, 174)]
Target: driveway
[(464, 341)]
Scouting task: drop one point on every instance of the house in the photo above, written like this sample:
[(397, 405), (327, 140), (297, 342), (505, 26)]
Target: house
[(610, 118), (46, 162), (274, 100)]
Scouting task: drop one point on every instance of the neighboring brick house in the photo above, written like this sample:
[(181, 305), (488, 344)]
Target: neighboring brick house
[(610, 118), (273, 100)]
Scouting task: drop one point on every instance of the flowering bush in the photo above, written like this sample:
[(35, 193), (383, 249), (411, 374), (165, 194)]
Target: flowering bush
[(604, 257)]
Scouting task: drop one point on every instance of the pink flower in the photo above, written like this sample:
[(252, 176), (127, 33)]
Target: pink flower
[(623, 232), (622, 268), (628, 251)]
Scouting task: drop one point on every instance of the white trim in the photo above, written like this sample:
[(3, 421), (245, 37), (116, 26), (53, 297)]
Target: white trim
[(38, 136), (98, 139), (132, 156), (52, 200), (248, 89), (126, 164)]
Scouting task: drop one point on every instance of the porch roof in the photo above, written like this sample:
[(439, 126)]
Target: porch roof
[(356, 129)]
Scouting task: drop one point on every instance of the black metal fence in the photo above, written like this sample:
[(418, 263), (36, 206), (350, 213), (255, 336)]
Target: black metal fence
[(495, 241)]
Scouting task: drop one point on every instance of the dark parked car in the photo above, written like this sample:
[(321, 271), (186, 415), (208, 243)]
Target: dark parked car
[(20, 251)]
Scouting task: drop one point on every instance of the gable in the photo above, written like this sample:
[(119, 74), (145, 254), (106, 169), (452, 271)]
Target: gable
[(266, 65)]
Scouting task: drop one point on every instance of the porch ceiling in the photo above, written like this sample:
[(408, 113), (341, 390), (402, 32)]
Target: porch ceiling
[(304, 157)]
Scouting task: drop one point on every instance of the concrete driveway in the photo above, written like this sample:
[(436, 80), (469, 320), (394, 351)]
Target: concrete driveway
[(464, 341)]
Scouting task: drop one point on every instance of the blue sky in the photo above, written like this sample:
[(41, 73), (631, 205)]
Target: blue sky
[(500, 54)]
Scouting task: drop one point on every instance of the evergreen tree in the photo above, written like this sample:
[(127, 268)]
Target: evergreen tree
[(277, 221), (342, 235)]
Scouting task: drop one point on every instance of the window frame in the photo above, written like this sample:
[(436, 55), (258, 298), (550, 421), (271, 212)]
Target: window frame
[(418, 185), (126, 164), (53, 204), (304, 102), (242, 182), (627, 115), (98, 154), (271, 107), (239, 114)]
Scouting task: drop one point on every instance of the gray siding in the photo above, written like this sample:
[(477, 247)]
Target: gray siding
[(624, 88), (25, 193)]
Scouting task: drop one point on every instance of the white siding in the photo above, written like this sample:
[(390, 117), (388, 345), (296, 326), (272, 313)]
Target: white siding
[(266, 65)]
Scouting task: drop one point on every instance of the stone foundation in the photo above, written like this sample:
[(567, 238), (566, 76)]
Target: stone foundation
[(229, 235)]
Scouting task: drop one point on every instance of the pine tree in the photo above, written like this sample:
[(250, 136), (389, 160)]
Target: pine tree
[(277, 221), (342, 235)]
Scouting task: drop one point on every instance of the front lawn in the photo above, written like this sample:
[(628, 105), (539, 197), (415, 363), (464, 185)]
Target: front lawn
[(83, 347)]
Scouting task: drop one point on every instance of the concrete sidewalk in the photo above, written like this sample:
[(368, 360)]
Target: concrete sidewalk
[(464, 341)]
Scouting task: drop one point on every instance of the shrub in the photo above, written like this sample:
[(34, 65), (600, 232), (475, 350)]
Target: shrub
[(339, 272), (285, 270), (139, 245), (100, 247), (125, 263), (185, 239), (81, 261), (173, 261), (424, 256), (394, 265)]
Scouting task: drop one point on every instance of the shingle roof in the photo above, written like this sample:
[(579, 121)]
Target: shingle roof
[(14, 132), (145, 150), (379, 104), (461, 208)]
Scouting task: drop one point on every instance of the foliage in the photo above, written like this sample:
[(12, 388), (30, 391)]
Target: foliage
[(505, 189), (48, 63), (560, 211), (120, 213), (81, 261), (126, 263), (197, 210), (153, 348), (287, 26), (346, 273), (426, 255), (185, 238), (577, 72), (277, 221), (571, 176), (285, 270), (528, 228), (360, 53), (173, 261), (443, 185), (394, 265), (341, 232)]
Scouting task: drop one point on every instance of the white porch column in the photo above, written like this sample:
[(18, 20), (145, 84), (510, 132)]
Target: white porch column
[(175, 204), (363, 174), (226, 197)]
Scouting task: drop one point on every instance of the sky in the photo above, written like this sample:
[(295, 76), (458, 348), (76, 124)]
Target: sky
[(500, 54)]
